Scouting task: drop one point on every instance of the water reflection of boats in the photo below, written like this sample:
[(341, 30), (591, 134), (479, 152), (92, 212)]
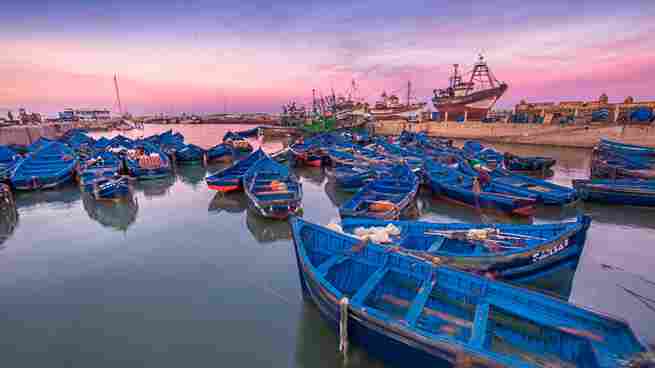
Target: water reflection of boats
[(629, 216), (155, 187), (336, 196), (435, 209), (191, 174), (315, 337), (8, 216), (115, 214), (63, 197), (312, 174), (266, 230), (229, 202)]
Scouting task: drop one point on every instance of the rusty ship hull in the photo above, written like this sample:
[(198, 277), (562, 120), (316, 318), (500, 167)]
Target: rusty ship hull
[(476, 105)]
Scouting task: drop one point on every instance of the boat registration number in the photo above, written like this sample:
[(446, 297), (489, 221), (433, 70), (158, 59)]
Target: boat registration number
[(543, 254)]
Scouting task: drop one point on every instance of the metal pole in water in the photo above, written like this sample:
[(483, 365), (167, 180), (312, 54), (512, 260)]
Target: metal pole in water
[(343, 326)]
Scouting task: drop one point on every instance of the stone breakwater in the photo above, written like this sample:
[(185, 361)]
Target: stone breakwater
[(551, 135)]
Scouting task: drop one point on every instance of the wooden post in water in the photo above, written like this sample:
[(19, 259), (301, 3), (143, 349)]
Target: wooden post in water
[(343, 326)]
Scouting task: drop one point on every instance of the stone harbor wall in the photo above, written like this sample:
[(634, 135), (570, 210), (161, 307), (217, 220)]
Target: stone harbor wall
[(554, 135), (30, 133)]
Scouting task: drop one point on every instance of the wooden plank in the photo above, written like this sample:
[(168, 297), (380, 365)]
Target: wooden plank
[(419, 302), (369, 285), (331, 262), (480, 323)]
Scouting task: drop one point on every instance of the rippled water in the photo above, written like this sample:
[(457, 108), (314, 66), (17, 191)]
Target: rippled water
[(178, 276)]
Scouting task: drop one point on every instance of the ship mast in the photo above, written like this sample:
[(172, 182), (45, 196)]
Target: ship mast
[(409, 92), (118, 95)]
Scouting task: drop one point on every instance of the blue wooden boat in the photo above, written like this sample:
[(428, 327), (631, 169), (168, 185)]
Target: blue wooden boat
[(353, 178), (231, 178), (103, 165), (248, 133), (220, 152), (38, 144), (412, 312), (384, 198), (148, 162), (503, 251), (110, 188), (102, 143), (189, 154), (528, 164), (455, 186), (629, 149), (8, 160), (273, 189), (521, 185), (621, 191), (49, 165)]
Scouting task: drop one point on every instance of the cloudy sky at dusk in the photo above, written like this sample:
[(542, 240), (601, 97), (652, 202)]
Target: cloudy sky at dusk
[(254, 55)]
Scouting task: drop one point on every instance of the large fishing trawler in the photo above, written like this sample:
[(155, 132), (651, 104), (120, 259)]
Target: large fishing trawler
[(473, 98), (390, 108)]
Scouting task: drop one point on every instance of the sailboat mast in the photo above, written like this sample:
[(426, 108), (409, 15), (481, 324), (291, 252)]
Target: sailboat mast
[(118, 95)]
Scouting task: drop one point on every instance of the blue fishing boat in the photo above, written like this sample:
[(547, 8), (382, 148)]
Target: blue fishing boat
[(353, 178), (110, 188), (503, 251), (231, 178), (38, 144), (384, 198), (455, 186), (546, 192), (102, 165), (630, 149), (249, 133), (47, 166), (8, 159), (220, 152), (621, 191), (189, 154), (273, 189), (147, 162), (410, 311), (528, 164), (102, 143)]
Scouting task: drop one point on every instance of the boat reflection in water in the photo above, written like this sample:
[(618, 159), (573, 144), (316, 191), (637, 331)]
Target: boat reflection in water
[(336, 195), (63, 197), (266, 230), (156, 187), (118, 214), (232, 202), (314, 175), (8, 216), (191, 174)]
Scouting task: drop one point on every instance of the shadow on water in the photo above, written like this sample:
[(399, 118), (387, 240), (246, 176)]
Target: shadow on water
[(118, 214), (155, 188), (191, 174), (235, 202), (267, 230)]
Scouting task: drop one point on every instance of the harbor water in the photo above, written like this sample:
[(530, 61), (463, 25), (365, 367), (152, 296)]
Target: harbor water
[(179, 275)]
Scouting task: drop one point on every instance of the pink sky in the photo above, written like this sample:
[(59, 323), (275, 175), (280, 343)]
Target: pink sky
[(196, 70)]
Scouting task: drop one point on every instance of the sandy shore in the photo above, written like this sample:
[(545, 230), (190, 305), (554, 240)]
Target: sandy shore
[(552, 135)]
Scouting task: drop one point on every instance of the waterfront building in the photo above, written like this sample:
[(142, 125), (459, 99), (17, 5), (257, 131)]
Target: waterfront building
[(600, 110)]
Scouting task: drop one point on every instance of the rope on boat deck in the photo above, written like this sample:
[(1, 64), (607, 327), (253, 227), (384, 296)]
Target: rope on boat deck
[(343, 326)]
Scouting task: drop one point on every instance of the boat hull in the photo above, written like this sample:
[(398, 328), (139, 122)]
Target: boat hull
[(476, 105), (589, 192)]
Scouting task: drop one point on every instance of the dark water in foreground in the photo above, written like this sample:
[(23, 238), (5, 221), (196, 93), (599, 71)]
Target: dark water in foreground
[(179, 277)]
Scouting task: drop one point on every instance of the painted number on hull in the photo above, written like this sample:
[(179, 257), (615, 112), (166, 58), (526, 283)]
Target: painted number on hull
[(543, 254)]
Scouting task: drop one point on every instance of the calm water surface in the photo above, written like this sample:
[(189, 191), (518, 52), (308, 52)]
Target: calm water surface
[(178, 276)]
